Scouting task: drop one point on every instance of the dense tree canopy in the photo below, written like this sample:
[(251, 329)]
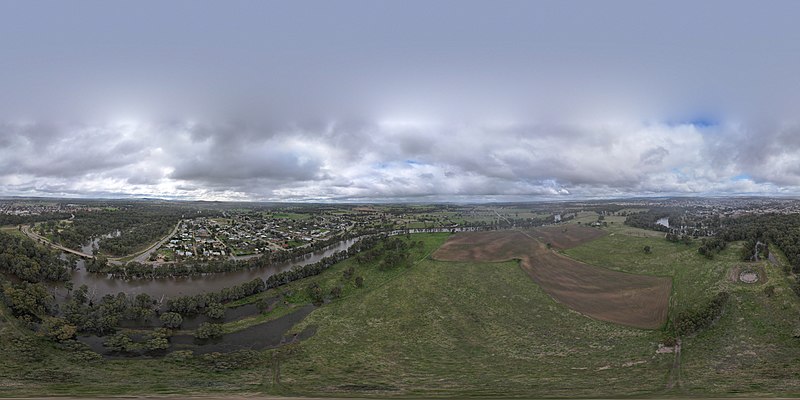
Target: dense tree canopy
[(30, 262)]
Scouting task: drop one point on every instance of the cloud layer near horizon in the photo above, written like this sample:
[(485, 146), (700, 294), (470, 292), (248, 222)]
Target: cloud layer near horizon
[(397, 160), (398, 100)]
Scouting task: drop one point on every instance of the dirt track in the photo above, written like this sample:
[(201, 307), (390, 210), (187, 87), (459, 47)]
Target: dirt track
[(639, 301)]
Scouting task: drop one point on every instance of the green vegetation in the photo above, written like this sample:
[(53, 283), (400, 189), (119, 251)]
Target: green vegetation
[(466, 329), (208, 330), (695, 279), (393, 322), (293, 216), (32, 263), (746, 345), (137, 226)]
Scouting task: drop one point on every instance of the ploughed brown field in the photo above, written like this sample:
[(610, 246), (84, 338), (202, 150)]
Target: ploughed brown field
[(566, 236), (639, 301)]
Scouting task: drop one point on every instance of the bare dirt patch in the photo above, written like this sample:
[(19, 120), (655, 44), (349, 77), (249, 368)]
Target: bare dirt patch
[(566, 236), (633, 300), (749, 274), (748, 277)]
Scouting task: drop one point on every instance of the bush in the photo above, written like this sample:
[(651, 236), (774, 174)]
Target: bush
[(158, 340), (79, 351), (208, 330), (26, 348), (58, 329), (215, 310), (315, 293), (690, 322), (121, 342), (180, 356), (171, 320)]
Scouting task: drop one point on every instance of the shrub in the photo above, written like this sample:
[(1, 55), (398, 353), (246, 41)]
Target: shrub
[(690, 322), (215, 310), (171, 320), (208, 330)]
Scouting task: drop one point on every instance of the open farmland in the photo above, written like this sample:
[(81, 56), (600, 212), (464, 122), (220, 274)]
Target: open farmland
[(633, 300), (566, 236)]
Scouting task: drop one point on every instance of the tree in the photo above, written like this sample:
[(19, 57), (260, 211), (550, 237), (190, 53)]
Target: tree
[(315, 293), (81, 295), (158, 340), (215, 310), (58, 329), (359, 282), (208, 330), (171, 320), (120, 342), (156, 344), (647, 249), (30, 299)]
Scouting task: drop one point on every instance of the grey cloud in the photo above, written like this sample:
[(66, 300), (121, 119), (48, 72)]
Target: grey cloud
[(264, 100), (653, 156), (65, 151)]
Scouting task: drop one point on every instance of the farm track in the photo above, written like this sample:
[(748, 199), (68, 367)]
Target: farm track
[(675, 371), (638, 301)]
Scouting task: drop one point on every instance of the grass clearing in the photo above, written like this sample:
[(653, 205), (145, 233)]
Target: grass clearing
[(468, 329), (750, 348)]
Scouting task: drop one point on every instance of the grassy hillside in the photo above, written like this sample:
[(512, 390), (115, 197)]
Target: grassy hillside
[(464, 329), (468, 329), (750, 348)]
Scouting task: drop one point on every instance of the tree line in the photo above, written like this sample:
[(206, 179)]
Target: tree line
[(29, 262), (782, 230), (137, 270), (193, 304), (688, 322), (136, 225)]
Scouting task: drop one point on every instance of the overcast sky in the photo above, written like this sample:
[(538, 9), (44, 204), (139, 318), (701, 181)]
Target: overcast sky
[(399, 100)]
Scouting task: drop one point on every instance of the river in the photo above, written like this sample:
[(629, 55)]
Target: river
[(100, 284)]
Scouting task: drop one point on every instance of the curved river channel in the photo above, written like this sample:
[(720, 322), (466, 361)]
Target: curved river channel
[(100, 284)]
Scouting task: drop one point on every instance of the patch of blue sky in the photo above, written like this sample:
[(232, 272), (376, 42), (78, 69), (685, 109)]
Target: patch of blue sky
[(700, 121), (742, 177)]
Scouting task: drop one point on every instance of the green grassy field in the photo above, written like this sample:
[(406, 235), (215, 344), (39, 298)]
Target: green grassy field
[(461, 329), (750, 348), (464, 329)]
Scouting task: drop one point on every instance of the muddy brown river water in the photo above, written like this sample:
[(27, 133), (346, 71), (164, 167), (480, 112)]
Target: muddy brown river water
[(101, 284)]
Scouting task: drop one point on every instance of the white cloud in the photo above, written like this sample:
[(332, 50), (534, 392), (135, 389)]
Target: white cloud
[(379, 161)]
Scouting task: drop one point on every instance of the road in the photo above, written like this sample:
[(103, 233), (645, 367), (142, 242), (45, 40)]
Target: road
[(500, 216), (144, 255), (28, 232), (141, 257)]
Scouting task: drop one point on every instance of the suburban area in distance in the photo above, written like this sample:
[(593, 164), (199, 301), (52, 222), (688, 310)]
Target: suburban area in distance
[(670, 296), (399, 199)]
